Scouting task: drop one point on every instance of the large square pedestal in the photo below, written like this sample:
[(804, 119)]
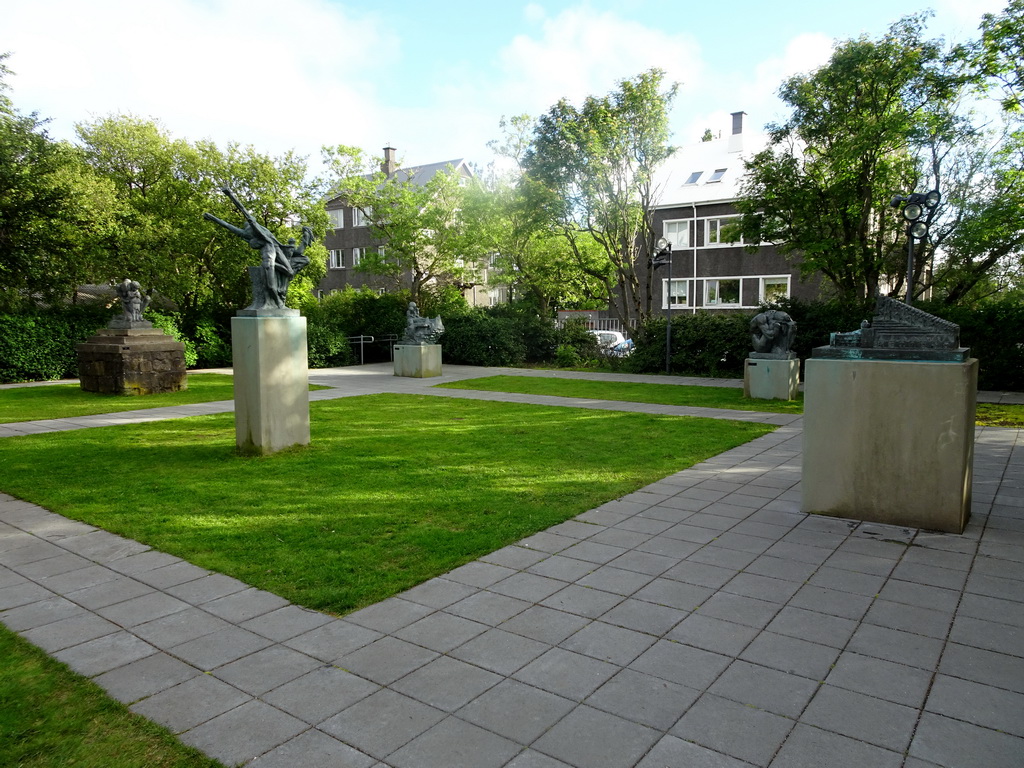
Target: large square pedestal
[(771, 379), (132, 361), (418, 361), (889, 442), (271, 383)]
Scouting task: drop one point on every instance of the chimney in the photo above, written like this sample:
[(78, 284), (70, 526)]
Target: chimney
[(389, 165), (736, 139)]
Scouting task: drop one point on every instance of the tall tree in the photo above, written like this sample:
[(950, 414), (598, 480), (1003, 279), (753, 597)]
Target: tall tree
[(876, 120), (1000, 52), (428, 240), (165, 184), (594, 170), (53, 210)]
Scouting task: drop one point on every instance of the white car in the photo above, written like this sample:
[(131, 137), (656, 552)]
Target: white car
[(613, 343)]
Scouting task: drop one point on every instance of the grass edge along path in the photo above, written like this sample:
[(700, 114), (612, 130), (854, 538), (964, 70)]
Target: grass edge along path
[(66, 401), (393, 490), (51, 716), (694, 396)]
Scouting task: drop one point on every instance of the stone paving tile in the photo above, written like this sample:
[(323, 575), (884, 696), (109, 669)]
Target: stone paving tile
[(145, 677), (139, 610), (220, 647), (68, 632), (190, 703), (582, 601), (94, 657), (737, 730), (806, 745), (765, 688), (447, 683), (239, 735), (981, 666), (488, 608), (791, 654), (862, 717), (244, 605), (53, 566), (954, 743), (206, 588), (454, 742), (644, 616), (109, 593), (441, 631), (382, 723), (37, 614), (588, 737), (673, 751), (976, 703), (265, 670), (314, 748), (500, 651), (713, 634), (285, 623), (567, 674), (608, 642), (682, 664), (897, 646), (333, 640), (320, 693)]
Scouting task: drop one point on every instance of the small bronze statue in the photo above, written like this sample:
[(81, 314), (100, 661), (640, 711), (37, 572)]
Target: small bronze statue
[(773, 333), (279, 263), (420, 330)]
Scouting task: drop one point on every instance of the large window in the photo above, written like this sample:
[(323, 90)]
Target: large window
[(358, 218), (678, 233), (675, 294), (715, 231), (722, 292), (774, 288), (337, 259), (337, 217)]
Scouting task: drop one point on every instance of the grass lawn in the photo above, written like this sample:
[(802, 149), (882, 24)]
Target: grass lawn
[(393, 490), (50, 716), (628, 391), (62, 401), (988, 414)]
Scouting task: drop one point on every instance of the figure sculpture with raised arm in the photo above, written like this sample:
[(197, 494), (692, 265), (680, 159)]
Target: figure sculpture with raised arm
[(279, 263)]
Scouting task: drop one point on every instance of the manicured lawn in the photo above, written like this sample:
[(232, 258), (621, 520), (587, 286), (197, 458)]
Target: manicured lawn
[(49, 716), (632, 392), (62, 401), (393, 490)]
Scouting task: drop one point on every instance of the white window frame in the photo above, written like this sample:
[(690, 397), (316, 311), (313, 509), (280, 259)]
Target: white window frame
[(336, 259), (358, 218), (683, 226), (716, 177), (337, 217), (676, 281), (787, 279), (357, 256), (720, 221), (693, 178), (716, 281)]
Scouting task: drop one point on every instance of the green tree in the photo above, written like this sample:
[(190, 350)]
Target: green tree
[(879, 118), (164, 185), (428, 241), (1000, 52), (592, 173), (53, 211)]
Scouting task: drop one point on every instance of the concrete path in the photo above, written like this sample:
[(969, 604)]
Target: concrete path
[(702, 622)]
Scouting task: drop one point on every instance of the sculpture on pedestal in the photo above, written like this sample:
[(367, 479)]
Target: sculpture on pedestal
[(420, 330), (133, 304), (279, 263), (773, 333)]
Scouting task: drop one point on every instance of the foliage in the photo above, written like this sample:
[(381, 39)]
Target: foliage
[(1000, 52), (169, 325), (392, 490), (352, 312), (52, 210), (703, 344), (41, 346), (879, 118), (591, 171), (164, 185), (427, 233), (480, 338)]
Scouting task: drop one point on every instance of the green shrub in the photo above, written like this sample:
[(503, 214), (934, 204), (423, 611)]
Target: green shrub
[(169, 325), (41, 346), (477, 338)]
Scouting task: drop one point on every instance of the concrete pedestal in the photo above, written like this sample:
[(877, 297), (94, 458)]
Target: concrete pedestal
[(132, 361), (889, 442), (418, 361), (271, 383), (771, 379)]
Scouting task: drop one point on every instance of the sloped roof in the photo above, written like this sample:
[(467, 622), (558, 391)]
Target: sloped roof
[(706, 158), (421, 174)]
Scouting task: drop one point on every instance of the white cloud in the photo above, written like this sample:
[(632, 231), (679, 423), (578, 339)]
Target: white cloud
[(253, 71)]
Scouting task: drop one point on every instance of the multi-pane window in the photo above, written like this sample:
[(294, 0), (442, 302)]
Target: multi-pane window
[(358, 218), (722, 293), (357, 256), (774, 288), (337, 218), (678, 233), (337, 259), (715, 231), (674, 292)]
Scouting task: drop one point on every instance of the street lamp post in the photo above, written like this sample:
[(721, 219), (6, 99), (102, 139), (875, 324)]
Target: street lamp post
[(916, 205), (663, 256)]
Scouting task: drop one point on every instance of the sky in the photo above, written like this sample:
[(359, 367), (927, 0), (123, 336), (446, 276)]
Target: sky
[(432, 78)]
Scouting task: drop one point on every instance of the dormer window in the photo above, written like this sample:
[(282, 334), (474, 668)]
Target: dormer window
[(692, 179), (717, 175)]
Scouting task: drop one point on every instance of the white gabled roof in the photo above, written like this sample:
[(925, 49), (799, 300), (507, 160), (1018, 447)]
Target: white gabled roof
[(707, 158)]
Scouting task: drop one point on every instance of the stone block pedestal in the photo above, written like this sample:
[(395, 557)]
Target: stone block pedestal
[(889, 442), (132, 361), (771, 378), (271, 382), (418, 361)]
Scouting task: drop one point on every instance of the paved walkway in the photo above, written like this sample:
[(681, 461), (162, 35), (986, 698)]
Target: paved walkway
[(702, 622)]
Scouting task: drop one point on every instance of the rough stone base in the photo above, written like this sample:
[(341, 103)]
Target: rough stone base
[(271, 383), (418, 361), (889, 442), (771, 379), (132, 361)]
